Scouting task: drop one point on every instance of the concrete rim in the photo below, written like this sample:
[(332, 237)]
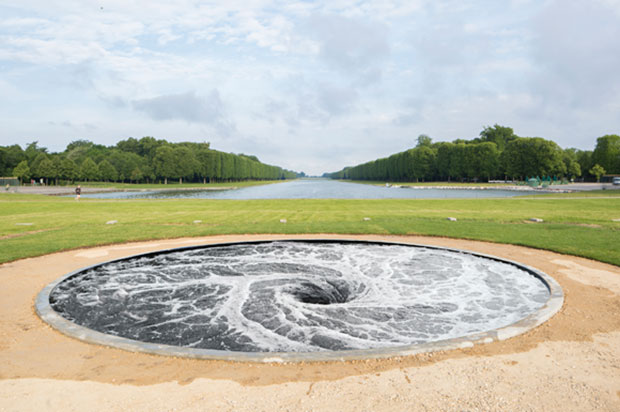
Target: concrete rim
[(66, 327)]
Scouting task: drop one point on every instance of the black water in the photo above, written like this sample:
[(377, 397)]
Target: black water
[(298, 296)]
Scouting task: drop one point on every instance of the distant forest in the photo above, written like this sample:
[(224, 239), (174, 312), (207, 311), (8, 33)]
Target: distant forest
[(144, 160), (497, 154)]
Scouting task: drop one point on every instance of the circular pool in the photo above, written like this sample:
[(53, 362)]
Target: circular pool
[(299, 299)]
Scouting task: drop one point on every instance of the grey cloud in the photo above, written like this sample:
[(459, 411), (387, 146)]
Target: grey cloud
[(578, 53), (190, 107), (407, 119), (349, 45), (335, 100), (316, 104), (82, 75), (71, 125), (113, 101), (275, 109)]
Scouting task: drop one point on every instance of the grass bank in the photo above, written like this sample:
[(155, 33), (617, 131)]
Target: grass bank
[(32, 225), (431, 184), (172, 184)]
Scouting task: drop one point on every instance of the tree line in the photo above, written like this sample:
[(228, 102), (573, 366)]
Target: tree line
[(145, 160), (496, 154)]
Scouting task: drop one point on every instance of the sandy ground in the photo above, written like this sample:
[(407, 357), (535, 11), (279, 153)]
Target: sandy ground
[(570, 363)]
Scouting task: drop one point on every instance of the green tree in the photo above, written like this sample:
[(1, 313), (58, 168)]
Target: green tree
[(136, 175), (164, 162), (22, 171), (107, 171), (3, 163), (68, 170), (204, 158), (46, 170), (131, 145), (227, 166), (423, 163), (89, 170), (444, 157), (11, 157), (186, 164), (458, 161), (147, 172), (424, 140), (533, 156), (500, 135), (584, 158), (124, 163), (486, 160), (607, 153), (57, 162), (597, 171), (33, 150), (573, 168), (148, 147), (34, 165), (78, 150)]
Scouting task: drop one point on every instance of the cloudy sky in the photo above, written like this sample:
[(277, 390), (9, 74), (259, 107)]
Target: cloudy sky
[(310, 86)]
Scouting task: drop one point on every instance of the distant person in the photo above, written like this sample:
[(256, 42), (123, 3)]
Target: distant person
[(78, 192), (7, 187)]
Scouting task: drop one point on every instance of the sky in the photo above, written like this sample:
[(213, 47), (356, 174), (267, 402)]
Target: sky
[(309, 86)]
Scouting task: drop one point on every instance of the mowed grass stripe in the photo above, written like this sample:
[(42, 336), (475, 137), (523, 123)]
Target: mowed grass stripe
[(582, 227)]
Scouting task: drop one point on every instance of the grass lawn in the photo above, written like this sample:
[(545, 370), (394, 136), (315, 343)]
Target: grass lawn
[(33, 225)]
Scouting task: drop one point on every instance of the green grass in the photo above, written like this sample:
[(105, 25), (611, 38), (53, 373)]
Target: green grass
[(577, 226)]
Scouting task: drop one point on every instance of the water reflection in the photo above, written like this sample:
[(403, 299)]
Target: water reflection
[(312, 189)]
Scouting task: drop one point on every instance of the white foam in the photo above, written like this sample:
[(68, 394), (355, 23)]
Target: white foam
[(397, 295)]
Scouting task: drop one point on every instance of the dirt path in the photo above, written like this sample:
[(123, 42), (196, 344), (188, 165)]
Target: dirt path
[(570, 363)]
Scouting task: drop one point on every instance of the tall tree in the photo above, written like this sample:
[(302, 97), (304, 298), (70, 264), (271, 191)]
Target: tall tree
[(89, 170), (500, 135), (34, 165), (597, 171), (33, 150), (534, 156), (607, 153), (423, 140), (68, 170), (46, 170), (107, 172), (486, 163), (22, 171), (164, 162), (584, 158), (11, 157), (185, 163)]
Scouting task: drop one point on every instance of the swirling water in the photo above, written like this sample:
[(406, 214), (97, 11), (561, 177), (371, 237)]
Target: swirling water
[(299, 297)]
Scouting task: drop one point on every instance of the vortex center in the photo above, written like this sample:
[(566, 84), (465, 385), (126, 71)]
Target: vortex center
[(328, 294)]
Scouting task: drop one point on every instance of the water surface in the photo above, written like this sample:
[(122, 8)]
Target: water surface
[(299, 297), (311, 189)]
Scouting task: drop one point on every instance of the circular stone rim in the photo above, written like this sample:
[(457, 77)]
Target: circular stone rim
[(68, 328)]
